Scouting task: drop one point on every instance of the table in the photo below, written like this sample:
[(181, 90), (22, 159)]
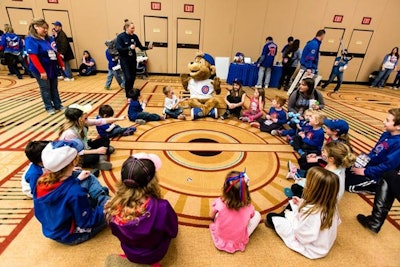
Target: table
[(248, 74)]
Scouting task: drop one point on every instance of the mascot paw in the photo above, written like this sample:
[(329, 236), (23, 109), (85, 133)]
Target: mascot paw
[(217, 85), (185, 80)]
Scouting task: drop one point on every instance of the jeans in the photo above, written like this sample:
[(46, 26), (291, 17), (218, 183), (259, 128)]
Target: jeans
[(67, 71), (128, 65), (49, 92), (117, 131), (174, 113), (382, 77), (332, 77), (148, 116), (118, 76), (261, 71)]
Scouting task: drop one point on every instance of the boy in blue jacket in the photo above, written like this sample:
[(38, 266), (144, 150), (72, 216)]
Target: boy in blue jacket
[(310, 55), (384, 157)]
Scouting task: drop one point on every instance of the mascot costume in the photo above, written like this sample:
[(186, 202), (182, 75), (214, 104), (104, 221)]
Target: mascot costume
[(201, 87)]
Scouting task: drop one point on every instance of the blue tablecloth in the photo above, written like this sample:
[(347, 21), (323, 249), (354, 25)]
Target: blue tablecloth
[(248, 74)]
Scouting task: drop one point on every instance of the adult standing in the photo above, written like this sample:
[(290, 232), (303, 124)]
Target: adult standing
[(44, 61), (265, 62), (305, 97), (127, 42), (12, 46), (65, 50), (310, 56), (290, 60), (388, 65)]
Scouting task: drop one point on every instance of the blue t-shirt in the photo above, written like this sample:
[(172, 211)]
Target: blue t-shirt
[(46, 51)]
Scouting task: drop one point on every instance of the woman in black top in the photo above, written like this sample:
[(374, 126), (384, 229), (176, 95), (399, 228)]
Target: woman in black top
[(127, 42)]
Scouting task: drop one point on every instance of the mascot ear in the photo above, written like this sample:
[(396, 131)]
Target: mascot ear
[(213, 70), (199, 54)]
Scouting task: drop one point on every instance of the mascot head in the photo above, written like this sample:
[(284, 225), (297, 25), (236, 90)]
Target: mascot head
[(202, 67)]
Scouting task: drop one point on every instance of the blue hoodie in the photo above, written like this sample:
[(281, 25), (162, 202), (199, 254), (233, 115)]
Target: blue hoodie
[(385, 156), (310, 56), (66, 211)]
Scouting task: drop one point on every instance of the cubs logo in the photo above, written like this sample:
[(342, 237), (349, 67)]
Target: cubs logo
[(54, 45), (313, 51), (205, 89)]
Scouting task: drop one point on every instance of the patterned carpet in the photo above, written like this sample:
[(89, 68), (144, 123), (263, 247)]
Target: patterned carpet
[(196, 155)]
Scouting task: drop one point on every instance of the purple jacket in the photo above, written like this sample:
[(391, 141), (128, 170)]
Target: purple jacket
[(146, 239)]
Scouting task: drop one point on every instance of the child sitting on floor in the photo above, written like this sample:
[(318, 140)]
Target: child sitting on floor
[(256, 107), (275, 118), (233, 214), (143, 222), (302, 125), (310, 227), (111, 130), (234, 100), (171, 104), (311, 141), (136, 107)]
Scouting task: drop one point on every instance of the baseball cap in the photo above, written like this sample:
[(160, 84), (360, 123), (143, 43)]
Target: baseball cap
[(339, 125), (85, 108), (57, 23), (136, 173), (209, 59), (153, 157), (58, 154)]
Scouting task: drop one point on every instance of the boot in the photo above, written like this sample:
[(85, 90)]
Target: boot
[(382, 204)]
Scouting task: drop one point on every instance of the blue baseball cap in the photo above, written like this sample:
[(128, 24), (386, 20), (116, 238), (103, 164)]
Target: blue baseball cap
[(209, 59), (57, 23), (339, 125)]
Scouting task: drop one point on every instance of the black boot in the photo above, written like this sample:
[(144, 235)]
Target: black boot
[(382, 204)]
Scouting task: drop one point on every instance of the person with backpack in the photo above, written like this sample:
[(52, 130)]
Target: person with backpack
[(290, 60), (305, 97)]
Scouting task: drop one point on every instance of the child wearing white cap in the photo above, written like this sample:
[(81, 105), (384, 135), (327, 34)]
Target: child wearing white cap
[(76, 127), (69, 208)]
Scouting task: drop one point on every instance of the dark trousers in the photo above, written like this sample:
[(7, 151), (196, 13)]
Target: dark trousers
[(339, 77), (12, 61), (268, 128), (359, 184), (89, 160), (287, 73), (299, 144), (128, 65)]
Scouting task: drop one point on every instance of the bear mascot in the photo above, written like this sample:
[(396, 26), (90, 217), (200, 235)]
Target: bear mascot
[(201, 87)]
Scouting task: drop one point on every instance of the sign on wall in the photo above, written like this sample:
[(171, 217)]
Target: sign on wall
[(155, 5), (188, 8), (366, 20), (338, 18)]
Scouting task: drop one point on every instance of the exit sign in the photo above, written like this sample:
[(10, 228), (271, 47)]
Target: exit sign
[(338, 18), (155, 5), (188, 8), (366, 20)]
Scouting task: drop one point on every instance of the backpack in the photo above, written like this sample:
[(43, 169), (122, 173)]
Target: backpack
[(112, 48), (298, 94)]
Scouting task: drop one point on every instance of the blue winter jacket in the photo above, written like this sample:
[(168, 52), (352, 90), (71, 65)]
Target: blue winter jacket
[(11, 43), (385, 156), (310, 56), (66, 211)]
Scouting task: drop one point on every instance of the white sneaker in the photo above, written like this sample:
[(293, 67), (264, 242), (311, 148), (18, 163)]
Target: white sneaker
[(60, 77), (69, 79), (266, 87), (258, 86)]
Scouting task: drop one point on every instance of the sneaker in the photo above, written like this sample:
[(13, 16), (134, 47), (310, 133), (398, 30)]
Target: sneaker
[(140, 121), (129, 131), (107, 87), (276, 132), (255, 124), (61, 108), (213, 113), (245, 119), (291, 167), (104, 165), (196, 113), (69, 79), (258, 86), (266, 87), (225, 115), (51, 111), (288, 192), (395, 88), (110, 150), (60, 77)]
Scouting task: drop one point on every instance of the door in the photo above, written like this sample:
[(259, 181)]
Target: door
[(62, 16), (357, 48), (20, 18), (188, 42), (329, 49), (156, 31)]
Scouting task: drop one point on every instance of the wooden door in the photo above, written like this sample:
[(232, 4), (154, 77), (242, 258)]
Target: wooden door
[(20, 18), (329, 50), (156, 31), (357, 48), (188, 42)]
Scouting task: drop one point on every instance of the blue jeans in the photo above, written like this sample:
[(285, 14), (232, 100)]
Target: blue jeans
[(118, 76), (148, 116), (174, 113), (49, 93), (382, 77), (339, 77), (261, 71), (67, 71)]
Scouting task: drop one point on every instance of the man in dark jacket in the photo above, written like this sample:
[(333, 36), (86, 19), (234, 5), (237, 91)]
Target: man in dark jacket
[(64, 49)]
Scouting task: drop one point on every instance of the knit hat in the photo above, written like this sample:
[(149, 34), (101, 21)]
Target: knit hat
[(341, 126), (58, 154), (137, 173), (85, 108), (209, 59)]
